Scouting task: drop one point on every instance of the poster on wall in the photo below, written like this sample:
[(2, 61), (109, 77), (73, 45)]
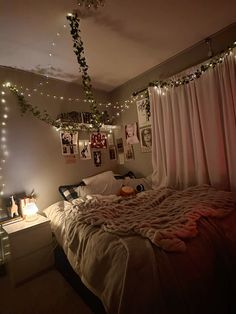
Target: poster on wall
[(97, 157), (112, 152), (131, 133), (146, 139), (84, 150), (143, 118), (110, 139), (129, 152), (119, 145), (98, 140), (69, 142), (121, 159)]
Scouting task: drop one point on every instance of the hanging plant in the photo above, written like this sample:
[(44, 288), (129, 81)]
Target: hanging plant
[(96, 117), (86, 80)]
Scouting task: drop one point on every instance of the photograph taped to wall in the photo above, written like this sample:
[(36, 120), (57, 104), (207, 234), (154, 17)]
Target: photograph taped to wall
[(110, 139), (84, 150), (146, 139), (97, 157), (129, 152), (98, 140), (131, 133), (120, 145), (121, 159), (69, 142), (112, 152), (143, 118)]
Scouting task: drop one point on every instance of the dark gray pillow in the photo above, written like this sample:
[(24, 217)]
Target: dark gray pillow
[(69, 192)]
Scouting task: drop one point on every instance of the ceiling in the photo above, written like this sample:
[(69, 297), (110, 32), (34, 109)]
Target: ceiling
[(122, 40)]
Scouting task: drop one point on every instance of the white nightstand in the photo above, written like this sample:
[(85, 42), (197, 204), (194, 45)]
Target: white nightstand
[(30, 248)]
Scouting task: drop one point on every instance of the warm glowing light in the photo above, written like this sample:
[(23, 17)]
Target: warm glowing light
[(30, 211)]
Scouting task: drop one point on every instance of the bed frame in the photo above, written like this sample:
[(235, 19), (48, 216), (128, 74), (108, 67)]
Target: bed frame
[(63, 266)]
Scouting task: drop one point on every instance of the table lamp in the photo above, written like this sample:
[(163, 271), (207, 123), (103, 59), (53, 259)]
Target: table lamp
[(30, 211)]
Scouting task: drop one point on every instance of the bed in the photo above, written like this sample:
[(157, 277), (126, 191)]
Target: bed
[(161, 251)]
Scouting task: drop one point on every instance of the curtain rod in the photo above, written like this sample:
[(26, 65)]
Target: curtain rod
[(139, 91)]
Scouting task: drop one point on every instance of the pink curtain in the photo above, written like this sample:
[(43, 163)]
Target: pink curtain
[(194, 129)]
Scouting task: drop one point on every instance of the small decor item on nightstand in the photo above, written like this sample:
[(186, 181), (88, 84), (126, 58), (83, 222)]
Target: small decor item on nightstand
[(30, 211), (13, 210)]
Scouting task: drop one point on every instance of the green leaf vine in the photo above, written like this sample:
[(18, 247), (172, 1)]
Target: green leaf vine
[(78, 47), (27, 107), (96, 117)]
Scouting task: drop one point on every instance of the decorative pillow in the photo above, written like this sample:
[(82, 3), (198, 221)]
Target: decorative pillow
[(69, 192), (100, 178), (129, 174), (110, 187)]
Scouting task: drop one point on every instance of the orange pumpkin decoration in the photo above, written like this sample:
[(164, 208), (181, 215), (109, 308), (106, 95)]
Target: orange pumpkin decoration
[(127, 191)]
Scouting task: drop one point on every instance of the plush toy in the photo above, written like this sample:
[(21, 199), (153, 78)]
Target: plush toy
[(127, 191)]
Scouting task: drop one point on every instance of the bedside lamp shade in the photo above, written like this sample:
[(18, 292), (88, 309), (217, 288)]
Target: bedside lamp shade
[(30, 211)]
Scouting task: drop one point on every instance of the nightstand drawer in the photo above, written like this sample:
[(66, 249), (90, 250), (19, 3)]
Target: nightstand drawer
[(30, 240), (25, 267)]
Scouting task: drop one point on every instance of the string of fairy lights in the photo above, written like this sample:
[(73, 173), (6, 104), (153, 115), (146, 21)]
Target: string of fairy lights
[(42, 87), (4, 109), (118, 106)]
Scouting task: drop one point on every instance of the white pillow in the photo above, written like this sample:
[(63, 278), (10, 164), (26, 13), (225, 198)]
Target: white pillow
[(110, 187), (100, 178)]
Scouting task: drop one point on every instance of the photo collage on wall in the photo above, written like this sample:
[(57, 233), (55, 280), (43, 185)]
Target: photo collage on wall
[(72, 146), (136, 133), (145, 130)]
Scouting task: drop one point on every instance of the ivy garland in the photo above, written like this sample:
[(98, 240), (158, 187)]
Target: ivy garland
[(79, 52), (27, 107), (96, 116), (188, 78), (198, 73), (44, 116)]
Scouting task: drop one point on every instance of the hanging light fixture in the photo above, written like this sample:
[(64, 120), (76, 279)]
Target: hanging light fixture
[(91, 4)]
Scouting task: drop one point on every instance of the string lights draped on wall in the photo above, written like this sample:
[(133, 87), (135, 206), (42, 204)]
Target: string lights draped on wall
[(25, 94), (96, 116), (3, 151)]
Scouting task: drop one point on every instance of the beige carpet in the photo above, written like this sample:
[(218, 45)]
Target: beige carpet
[(45, 294)]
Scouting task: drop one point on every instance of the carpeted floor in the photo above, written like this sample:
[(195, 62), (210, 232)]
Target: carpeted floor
[(48, 293)]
